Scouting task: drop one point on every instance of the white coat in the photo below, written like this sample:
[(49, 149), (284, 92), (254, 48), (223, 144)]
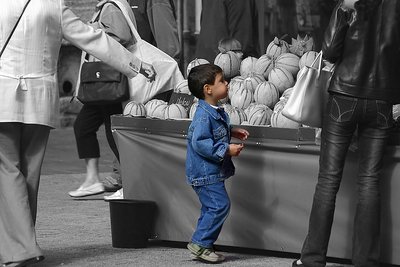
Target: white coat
[(28, 67)]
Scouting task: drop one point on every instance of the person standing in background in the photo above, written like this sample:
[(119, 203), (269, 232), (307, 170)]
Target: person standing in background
[(157, 25), (222, 19), (29, 108), (362, 39), (110, 19)]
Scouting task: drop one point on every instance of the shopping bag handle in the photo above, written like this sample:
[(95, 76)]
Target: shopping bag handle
[(317, 60)]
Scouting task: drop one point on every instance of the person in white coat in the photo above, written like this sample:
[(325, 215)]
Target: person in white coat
[(29, 108)]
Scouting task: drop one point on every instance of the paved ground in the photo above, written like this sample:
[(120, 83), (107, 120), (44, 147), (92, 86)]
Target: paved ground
[(78, 232)]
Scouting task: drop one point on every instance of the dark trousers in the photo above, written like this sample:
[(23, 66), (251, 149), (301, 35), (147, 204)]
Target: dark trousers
[(87, 123), (373, 119)]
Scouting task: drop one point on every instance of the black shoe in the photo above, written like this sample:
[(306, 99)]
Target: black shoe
[(294, 264), (24, 263)]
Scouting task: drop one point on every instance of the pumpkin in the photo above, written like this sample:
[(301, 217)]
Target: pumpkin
[(236, 115), (242, 98), (264, 65), (300, 45), (134, 109), (307, 59), (260, 115), (175, 111), (281, 78), (247, 66), (195, 62), (182, 87), (288, 61), (252, 81), (277, 47), (266, 93), (229, 63)]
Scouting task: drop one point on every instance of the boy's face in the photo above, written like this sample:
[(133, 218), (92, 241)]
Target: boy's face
[(218, 90)]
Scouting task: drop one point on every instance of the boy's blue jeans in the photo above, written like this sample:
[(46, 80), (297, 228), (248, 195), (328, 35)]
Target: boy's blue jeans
[(215, 206)]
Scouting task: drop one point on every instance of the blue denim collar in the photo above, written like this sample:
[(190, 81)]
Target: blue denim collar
[(208, 108)]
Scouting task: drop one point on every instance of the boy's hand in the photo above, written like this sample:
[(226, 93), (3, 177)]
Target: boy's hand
[(234, 149), (239, 133)]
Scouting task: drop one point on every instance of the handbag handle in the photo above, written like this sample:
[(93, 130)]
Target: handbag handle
[(13, 29), (317, 60)]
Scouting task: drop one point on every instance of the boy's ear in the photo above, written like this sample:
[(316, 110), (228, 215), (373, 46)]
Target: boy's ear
[(207, 89)]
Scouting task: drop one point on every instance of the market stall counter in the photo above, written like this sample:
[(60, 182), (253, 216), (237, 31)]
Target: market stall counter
[(271, 193)]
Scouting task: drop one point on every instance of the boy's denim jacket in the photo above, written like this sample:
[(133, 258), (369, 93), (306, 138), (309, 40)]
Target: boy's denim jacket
[(208, 137)]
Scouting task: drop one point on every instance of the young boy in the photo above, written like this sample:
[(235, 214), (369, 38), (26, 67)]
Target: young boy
[(208, 161)]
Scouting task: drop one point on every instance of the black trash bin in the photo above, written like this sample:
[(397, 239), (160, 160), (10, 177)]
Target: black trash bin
[(132, 222)]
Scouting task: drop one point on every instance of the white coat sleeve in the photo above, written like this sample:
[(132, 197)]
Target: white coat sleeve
[(98, 44)]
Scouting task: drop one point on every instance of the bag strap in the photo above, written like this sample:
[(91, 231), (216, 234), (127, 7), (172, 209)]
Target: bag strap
[(13, 29), (317, 60), (128, 19)]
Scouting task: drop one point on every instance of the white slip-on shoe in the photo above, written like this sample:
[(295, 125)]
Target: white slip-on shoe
[(94, 189), (117, 195)]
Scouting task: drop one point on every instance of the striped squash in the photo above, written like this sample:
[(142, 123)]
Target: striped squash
[(175, 111), (235, 84), (247, 66), (182, 87), (266, 93), (307, 59), (134, 109), (276, 48), (229, 63), (195, 62), (151, 107), (264, 65), (252, 81), (260, 115), (236, 115), (288, 61), (242, 98), (192, 110), (281, 78)]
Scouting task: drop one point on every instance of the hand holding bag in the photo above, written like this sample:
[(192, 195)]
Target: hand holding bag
[(101, 84), (310, 93), (167, 69)]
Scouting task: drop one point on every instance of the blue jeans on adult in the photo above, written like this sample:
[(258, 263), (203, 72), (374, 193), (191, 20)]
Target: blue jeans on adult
[(373, 121), (215, 206)]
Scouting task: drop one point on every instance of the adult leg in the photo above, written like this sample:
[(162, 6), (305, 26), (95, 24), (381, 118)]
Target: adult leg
[(109, 110), (337, 133), (86, 125), (33, 145), (17, 195), (373, 136)]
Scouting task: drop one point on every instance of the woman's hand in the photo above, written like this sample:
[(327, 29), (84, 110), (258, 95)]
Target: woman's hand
[(148, 71)]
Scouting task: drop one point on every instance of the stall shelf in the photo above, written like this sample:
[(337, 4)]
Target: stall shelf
[(271, 193)]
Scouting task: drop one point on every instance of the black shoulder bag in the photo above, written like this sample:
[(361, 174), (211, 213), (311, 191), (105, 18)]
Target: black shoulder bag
[(101, 84)]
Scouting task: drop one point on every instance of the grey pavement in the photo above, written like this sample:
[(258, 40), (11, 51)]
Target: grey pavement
[(78, 232)]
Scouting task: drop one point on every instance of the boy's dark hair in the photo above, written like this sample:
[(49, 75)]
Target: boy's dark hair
[(201, 75)]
